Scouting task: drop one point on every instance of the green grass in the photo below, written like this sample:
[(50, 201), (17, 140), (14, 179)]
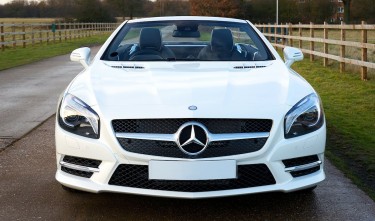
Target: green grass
[(349, 105), (205, 36), (20, 56)]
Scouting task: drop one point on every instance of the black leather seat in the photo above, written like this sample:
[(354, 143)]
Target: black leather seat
[(151, 47), (221, 47)]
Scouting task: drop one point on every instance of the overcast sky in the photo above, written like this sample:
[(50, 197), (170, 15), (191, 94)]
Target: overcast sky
[(4, 1)]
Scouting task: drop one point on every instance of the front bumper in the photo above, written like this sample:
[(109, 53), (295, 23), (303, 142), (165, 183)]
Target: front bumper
[(108, 150)]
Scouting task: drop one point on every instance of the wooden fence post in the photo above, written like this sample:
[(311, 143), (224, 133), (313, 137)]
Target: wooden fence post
[(23, 35), (300, 35), (40, 33), (325, 60), (342, 48), (54, 33), (282, 33), (32, 35), (290, 30), (14, 35), (65, 32), (275, 33), (70, 31), (79, 30), (312, 48), (364, 51), (59, 28), (47, 36), (2, 36)]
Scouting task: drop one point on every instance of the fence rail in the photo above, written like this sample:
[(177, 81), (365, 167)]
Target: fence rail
[(346, 44), (21, 34)]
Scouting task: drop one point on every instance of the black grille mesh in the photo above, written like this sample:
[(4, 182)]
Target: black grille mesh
[(170, 149), (136, 176), (76, 172), (82, 161), (305, 172), (300, 161), (170, 126)]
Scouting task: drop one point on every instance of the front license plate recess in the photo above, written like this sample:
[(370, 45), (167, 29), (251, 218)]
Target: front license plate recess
[(192, 170)]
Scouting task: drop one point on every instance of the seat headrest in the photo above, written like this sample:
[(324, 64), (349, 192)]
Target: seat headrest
[(221, 40), (150, 38)]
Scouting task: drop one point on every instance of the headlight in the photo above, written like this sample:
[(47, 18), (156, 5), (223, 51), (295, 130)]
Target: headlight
[(77, 117), (305, 117)]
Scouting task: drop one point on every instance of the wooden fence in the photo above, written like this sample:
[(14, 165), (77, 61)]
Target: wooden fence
[(346, 44), (21, 34)]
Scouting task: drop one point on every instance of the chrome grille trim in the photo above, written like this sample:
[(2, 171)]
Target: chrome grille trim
[(77, 167), (142, 136), (211, 137), (303, 167)]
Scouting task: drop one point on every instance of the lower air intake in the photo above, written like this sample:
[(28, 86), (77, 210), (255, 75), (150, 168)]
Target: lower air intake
[(77, 172), (136, 176)]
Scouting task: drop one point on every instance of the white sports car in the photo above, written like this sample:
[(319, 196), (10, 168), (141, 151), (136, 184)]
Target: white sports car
[(189, 107)]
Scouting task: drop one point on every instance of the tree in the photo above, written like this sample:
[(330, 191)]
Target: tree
[(127, 8), (219, 8), (364, 10), (167, 8), (317, 11), (263, 11), (92, 11), (347, 10), (288, 11)]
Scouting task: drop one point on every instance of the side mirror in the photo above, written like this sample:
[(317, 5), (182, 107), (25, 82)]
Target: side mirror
[(292, 55), (81, 55)]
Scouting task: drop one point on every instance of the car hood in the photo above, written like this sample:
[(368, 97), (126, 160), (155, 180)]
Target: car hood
[(168, 89)]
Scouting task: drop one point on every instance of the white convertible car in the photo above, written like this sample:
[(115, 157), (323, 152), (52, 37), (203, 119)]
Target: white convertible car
[(189, 107)]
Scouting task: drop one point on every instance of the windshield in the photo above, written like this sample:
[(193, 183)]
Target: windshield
[(187, 41)]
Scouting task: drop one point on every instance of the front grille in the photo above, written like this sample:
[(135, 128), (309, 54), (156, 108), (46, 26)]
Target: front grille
[(170, 149), (77, 172), (136, 176), (305, 172), (82, 161), (170, 126), (300, 161)]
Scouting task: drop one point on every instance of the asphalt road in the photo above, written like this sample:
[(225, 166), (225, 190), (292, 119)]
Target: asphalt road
[(28, 190)]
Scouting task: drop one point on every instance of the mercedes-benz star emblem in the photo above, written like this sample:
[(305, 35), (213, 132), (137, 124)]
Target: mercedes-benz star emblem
[(192, 138)]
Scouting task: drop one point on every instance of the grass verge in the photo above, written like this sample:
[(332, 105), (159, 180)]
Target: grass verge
[(20, 56), (350, 113)]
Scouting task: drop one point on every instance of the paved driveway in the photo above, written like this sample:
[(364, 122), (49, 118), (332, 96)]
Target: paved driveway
[(29, 93), (29, 191)]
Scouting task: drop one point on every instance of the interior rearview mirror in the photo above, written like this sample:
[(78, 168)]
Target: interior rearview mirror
[(292, 55), (81, 55)]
